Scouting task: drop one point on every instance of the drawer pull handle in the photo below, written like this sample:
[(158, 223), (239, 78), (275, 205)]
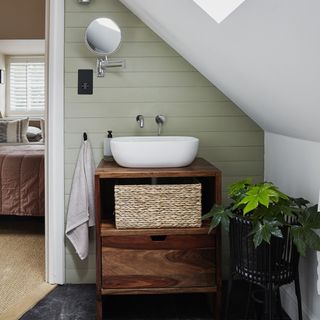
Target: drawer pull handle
[(158, 238)]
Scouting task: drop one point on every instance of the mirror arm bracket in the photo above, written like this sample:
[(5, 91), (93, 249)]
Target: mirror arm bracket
[(103, 63)]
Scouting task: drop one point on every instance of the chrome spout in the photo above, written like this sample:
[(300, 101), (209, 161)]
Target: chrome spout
[(140, 120), (160, 120)]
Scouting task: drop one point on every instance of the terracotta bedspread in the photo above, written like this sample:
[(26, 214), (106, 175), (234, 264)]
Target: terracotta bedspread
[(22, 180)]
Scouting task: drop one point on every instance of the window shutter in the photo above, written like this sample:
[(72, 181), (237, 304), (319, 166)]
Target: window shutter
[(27, 86)]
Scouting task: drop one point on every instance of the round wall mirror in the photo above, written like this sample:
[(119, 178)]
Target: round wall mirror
[(103, 36)]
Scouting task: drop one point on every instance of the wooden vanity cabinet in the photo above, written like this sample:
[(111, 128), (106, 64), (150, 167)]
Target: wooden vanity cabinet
[(155, 261)]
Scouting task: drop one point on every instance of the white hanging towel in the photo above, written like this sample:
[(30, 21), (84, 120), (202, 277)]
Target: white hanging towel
[(81, 210)]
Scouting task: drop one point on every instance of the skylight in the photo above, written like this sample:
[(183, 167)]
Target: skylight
[(219, 9)]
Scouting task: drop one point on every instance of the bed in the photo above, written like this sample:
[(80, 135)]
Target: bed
[(22, 179)]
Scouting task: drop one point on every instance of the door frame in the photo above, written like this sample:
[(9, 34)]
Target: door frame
[(54, 133)]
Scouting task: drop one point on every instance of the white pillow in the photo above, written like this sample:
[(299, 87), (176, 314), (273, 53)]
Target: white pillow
[(14, 131), (34, 134)]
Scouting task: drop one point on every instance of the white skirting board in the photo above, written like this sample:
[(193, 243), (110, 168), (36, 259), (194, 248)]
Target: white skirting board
[(290, 305)]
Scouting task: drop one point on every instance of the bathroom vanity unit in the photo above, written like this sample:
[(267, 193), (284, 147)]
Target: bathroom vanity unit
[(156, 261)]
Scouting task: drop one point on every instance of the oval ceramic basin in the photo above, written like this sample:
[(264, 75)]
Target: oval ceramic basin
[(154, 151)]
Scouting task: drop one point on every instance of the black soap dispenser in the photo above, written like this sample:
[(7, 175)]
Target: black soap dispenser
[(106, 146)]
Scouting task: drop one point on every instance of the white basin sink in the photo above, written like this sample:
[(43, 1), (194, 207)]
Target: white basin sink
[(154, 151)]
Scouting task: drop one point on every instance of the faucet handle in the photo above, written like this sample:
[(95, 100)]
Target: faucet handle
[(160, 119)]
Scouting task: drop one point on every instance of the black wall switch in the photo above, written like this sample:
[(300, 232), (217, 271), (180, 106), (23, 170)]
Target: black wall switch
[(85, 81)]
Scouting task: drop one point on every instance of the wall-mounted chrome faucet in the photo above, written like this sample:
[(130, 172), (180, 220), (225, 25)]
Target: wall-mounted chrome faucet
[(140, 120), (160, 120)]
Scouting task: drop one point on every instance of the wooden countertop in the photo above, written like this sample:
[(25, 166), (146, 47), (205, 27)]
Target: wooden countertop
[(198, 168)]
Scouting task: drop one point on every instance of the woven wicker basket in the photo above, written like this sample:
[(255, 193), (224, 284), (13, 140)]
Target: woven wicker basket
[(158, 206)]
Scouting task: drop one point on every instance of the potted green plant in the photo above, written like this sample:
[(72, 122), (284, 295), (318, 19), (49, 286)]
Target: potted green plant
[(269, 211), (268, 232)]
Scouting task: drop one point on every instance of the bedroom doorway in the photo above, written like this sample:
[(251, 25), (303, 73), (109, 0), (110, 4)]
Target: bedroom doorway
[(23, 108)]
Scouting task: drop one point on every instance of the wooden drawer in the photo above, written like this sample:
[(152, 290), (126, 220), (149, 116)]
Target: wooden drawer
[(159, 241), (172, 261)]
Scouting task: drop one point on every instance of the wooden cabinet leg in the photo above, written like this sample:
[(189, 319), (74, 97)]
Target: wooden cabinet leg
[(99, 308)]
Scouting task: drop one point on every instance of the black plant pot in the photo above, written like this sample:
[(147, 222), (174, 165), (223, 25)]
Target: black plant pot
[(269, 266), (275, 263)]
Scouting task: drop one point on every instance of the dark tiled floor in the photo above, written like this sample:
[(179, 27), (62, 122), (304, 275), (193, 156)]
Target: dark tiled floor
[(77, 302)]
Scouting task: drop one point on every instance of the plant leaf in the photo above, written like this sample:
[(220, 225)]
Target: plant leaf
[(298, 239), (251, 205), (207, 215), (282, 195), (237, 188), (276, 231), (219, 215), (257, 238), (274, 195), (225, 219), (257, 195), (300, 202), (310, 217), (312, 239), (264, 231)]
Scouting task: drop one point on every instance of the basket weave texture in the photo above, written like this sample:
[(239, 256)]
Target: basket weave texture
[(158, 206)]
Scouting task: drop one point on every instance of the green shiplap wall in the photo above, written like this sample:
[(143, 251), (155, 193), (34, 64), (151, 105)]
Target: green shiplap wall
[(156, 80)]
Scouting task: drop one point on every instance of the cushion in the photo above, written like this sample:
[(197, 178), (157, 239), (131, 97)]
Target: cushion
[(34, 134), (14, 131)]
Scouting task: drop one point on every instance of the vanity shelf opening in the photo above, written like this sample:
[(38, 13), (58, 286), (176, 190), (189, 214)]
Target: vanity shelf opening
[(107, 191)]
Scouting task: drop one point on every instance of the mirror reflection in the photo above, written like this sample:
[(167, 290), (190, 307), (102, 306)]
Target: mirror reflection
[(103, 36)]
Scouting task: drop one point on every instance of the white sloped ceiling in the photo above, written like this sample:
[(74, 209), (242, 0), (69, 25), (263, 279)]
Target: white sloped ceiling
[(265, 56)]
